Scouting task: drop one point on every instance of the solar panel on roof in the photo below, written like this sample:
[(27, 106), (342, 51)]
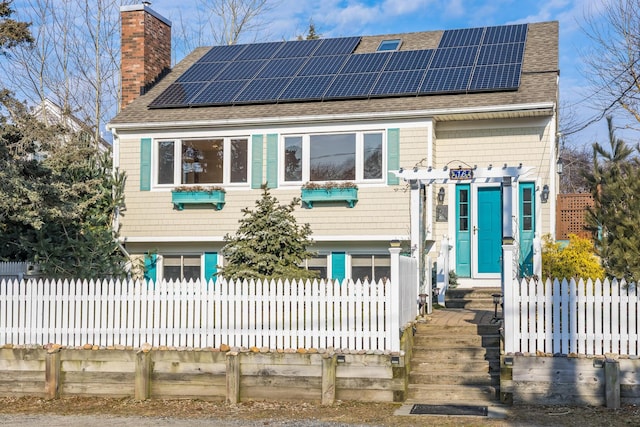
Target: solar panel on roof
[(506, 53), (239, 70), (409, 60), (298, 48), (259, 51), (282, 67), (475, 59), (266, 90), (365, 63), (496, 77), (222, 53), (446, 80), (307, 88), (178, 94), (505, 34), (351, 85), (318, 66), (398, 82), (219, 92), (463, 37), (202, 72), (339, 46), (454, 57)]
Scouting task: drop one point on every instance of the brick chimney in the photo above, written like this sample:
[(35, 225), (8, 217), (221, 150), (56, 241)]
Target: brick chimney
[(145, 50)]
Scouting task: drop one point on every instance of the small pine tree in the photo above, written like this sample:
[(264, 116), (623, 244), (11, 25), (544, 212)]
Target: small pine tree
[(269, 243)]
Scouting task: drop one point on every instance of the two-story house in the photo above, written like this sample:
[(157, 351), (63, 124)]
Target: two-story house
[(338, 110)]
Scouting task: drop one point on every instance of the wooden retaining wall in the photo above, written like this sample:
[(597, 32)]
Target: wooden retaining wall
[(207, 374), (546, 380)]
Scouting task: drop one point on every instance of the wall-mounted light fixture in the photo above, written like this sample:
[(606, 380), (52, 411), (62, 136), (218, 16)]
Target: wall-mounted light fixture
[(441, 195), (340, 358), (544, 194), (395, 360), (559, 166)]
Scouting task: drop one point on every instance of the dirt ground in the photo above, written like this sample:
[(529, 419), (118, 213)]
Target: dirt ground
[(342, 413)]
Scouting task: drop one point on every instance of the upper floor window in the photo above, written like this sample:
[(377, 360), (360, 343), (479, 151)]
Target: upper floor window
[(333, 157), (202, 161)]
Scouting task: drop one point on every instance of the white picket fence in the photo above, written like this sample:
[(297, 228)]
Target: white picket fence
[(584, 317), (269, 314)]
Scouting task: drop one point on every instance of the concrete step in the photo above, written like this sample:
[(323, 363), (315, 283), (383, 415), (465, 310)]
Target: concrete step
[(452, 394), (443, 340), (471, 293)]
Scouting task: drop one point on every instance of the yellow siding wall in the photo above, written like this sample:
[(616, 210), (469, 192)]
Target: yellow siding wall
[(381, 209), (496, 142)]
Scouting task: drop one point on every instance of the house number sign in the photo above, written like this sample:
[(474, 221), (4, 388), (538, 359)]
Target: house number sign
[(461, 174)]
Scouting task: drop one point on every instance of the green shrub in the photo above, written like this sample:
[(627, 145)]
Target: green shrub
[(576, 260)]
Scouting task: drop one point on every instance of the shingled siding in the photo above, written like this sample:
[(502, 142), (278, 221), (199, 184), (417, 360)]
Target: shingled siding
[(381, 209), (498, 142)]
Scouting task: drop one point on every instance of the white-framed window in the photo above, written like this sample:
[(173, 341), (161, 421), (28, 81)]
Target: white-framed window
[(181, 267), (202, 161), (370, 267), (317, 263), (348, 156)]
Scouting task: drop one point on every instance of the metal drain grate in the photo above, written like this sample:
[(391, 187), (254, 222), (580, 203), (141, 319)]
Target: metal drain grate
[(478, 411)]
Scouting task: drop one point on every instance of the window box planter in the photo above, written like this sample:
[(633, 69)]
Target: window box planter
[(329, 194), (197, 196)]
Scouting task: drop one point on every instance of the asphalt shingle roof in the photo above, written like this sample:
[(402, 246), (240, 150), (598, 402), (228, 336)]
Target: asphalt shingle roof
[(538, 84)]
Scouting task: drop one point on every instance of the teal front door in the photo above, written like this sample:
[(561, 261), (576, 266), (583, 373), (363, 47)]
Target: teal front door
[(489, 230)]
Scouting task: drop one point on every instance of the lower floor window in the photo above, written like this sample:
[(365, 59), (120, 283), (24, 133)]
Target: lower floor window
[(318, 264), (181, 267), (370, 267)]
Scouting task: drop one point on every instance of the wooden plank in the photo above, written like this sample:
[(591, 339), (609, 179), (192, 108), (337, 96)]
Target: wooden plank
[(276, 393), (282, 370), (97, 366), (281, 359), (369, 384), (204, 379), (98, 377), (365, 395), (203, 357), (286, 382), (187, 391), (102, 390), (99, 355), (364, 371), (22, 365), (190, 368), (22, 354), (22, 376)]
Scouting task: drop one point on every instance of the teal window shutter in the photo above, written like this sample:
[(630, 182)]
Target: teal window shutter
[(210, 266), (272, 160), (150, 267), (145, 164), (393, 155), (338, 265), (256, 161)]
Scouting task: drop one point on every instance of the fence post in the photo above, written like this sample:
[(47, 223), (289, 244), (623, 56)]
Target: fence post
[(612, 383), (329, 379), (394, 299), (52, 374), (508, 295), (443, 271), (233, 377), (142, 381)]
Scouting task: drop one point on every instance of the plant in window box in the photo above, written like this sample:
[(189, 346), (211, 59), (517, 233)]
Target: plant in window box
[(197, 195), (313, 192)]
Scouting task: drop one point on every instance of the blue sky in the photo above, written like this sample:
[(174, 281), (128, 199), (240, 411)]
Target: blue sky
[(334, 18)]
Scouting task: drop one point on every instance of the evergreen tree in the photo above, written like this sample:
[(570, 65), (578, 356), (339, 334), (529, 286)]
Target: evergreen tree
[(615, 217), (269, 243), (12, 32), (58, 198)]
